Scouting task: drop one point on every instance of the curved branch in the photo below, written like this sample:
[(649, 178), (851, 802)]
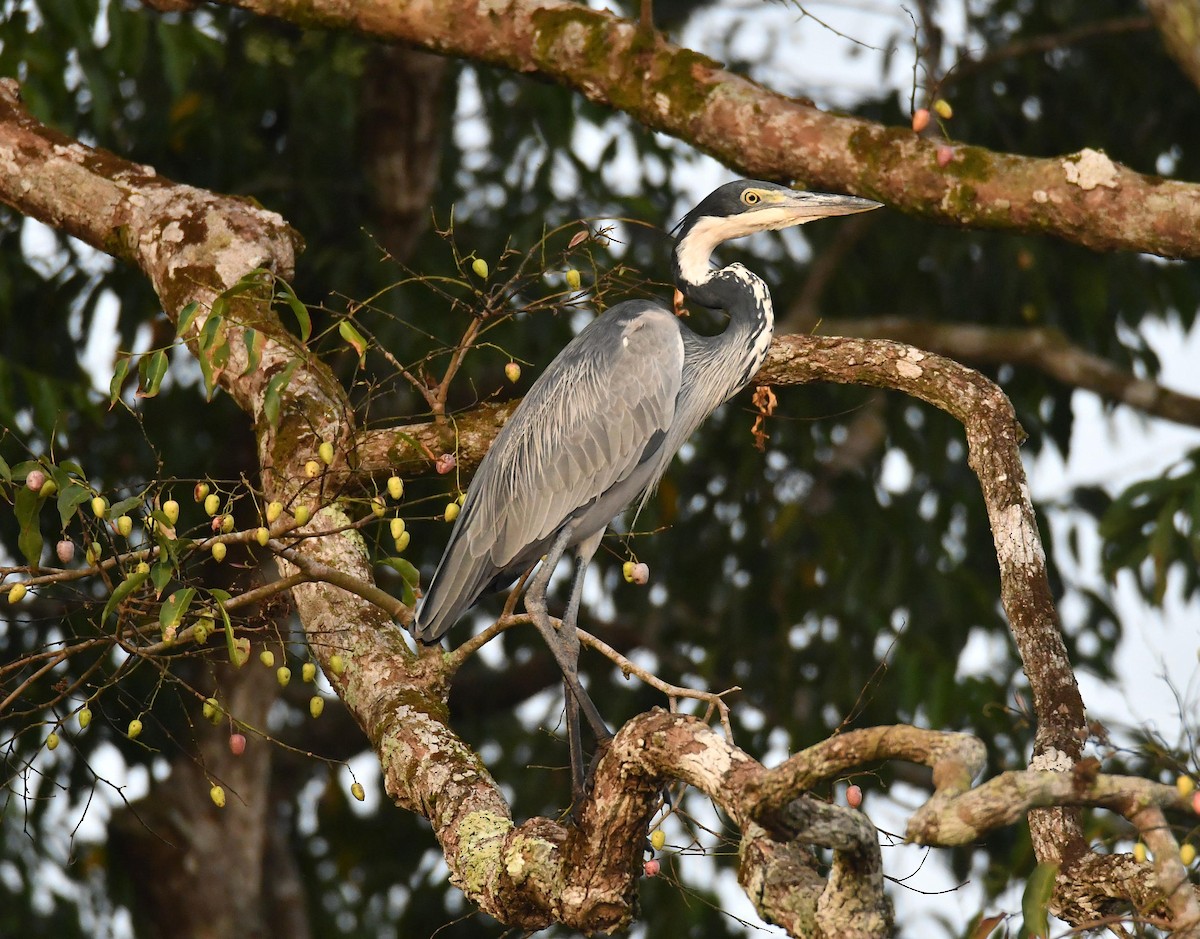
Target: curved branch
[(1083, 198)]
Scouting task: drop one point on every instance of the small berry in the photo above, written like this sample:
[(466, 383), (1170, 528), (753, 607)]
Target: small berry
[(1139, 852), (445, 463), (325, 452), (202, 630), (52, 742), (85, 717), (658, 838), (1187, 854), (308, 671), (35, 480), (124, 526), (480, 267), (283, 675), (16, 593), (49, 488), (920, 120), (512, 371), (267, 657), (574, 281), (142, 568), (212, 711), (65, 550), (451, 512), (262, 536), (358, 792), (237, 744), (337, 664), (312, 469), (378, 507), (316, 704), (219, 551), (641, 573), (302, 514), (201, 491), (227, 523), (627, 571), (942, 106), (94, 551), (853, 796), (99, 506), (171, 510), (395, 487), (402, 542), (134, 730), (1185, 785), (274, 510), (212, 503), (396, 526), (652, 867), (217, 794)]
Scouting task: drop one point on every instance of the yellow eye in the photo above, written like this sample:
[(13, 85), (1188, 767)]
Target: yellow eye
[(750, 197)]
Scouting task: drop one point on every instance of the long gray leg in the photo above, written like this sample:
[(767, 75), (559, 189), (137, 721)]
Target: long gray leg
[(565, 650), (583, 555)]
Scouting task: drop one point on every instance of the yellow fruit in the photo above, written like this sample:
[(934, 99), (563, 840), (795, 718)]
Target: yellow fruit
[(52, 742), (200, 493), (358, 792), (512, 371), (451, 512), (274, 510), (395, 487), (1185, 784), (574, 281), (312, 468), (211, 711), (217, 794), (94, 551), (316, 704), (227, 523), (302, 514), (480, 267), (1139, 852), (262, 536), (658, 838), (99, 506), (142, 568), (16, 593), (337, 664), (283, 675), (397, 527), (325, 452), (627, 571), (378, 507), (402, 542), (267, 657), (134, 730), (124, 526), (308, 671), (49, 488), (942, 106), (171, 510), (85, 717), (219, 551), (212, 503), (1187, 853)]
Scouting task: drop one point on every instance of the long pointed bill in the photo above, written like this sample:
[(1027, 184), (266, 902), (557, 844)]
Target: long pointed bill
[(786, 209)]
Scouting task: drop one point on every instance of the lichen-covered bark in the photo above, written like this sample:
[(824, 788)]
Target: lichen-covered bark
[(1082, 198)]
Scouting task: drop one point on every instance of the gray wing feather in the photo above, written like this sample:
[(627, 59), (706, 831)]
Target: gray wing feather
[(582, 431)]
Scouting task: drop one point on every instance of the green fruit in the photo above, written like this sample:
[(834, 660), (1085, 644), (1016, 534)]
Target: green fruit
[(267, 657), (480, 267), (262, 536), (52, 741), (124, 526), (227, 523), (99, 506), (212, 503), (308, 671), (274, 510), (219, 551), (316, 704), (142, 568), (171, 510), (337, 664), (134, 730), (85, 717), (212, 711), (303, 513), (283, 675), (325, 452)]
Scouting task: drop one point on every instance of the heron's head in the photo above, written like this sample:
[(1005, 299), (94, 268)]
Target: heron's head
[(744, 207)]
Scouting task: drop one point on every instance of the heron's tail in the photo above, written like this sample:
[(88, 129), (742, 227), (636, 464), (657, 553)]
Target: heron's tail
[(455, 587)]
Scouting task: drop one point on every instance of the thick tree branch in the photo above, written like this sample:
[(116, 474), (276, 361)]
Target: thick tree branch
[(1083, 198), (1178, 22)]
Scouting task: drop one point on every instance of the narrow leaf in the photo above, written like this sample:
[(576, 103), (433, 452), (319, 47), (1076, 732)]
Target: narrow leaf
[(173, 608), (1036, 898), (29, 541), (122, 590), (272, 396), (118, 379), (254, 341), (299, 310), (186, 316), (152, 369), (354, 338), (404, 568)]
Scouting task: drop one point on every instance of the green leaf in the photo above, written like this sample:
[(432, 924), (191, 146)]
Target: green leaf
[(161, 572), (70, 497), (123, 507), (29, 541), (410, 578), (1036, 898), (118, 379), (354, 338), (173, 608), (151, 369), (299, 310), (122, 590), (186, 316), (271, 397), (5, 471), (254, 341)]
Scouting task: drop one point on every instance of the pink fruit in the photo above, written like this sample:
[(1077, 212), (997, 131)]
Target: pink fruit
[(237, 744), (652, 867), (853, 797)]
